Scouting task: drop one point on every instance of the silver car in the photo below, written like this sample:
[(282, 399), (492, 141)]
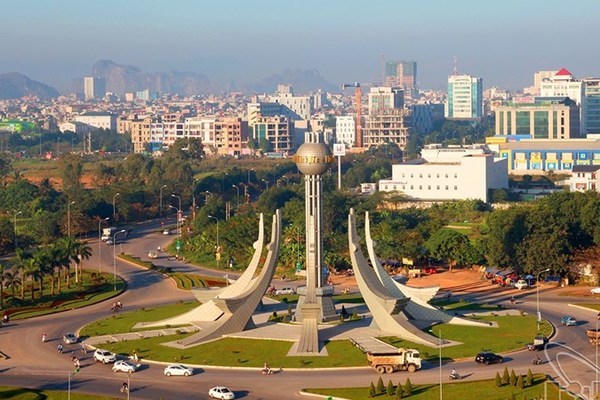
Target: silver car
[(70, 338)]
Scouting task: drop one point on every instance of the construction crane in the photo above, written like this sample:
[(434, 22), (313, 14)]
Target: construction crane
[(358, 142)]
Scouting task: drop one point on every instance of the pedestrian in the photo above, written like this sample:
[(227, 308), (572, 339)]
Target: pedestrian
[(59, 348), (83, 348), (119, 305)]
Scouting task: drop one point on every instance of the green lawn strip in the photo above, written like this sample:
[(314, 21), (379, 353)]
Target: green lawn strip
[(15, 393), (485, 389), (123, 322), (591, 306), (85, 293), (513, 332), (354, 298), (236, 352)]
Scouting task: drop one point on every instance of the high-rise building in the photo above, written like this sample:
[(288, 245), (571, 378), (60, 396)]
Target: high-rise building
[(391, 126), (345, 128), (385, 98), (277, 131), (563, 84), (591, 114), (538, 77), (402, 74), (93, 87), (465, 97)]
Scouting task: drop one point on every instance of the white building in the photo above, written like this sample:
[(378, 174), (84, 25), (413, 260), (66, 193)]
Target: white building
[(382, 99), (465, 97), (98, 120), (74, 126), (202, 128), (584, 177), (345, 129), (562, 84), (93, 88), (454, 173)]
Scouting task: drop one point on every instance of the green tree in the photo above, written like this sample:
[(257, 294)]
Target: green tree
[(529, 378), (450, 246), (12, 281), (513, 378), (408, 387), (399, 392), (372, 391), (389, 390), (505, 376), (498, 380), (2, 272), (71, 171), (520, 384), (380, 386), (265, 145)]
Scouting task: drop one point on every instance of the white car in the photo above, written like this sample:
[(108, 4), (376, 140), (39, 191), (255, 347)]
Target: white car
[(521, 284), (178, 370), (70, 338), (285, 290), (125, 366), (595, 290), (166, 232), (104, 356), (221, 392)]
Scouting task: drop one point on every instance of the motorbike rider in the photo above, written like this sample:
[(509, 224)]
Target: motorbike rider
[(454, 374), (537, 360)]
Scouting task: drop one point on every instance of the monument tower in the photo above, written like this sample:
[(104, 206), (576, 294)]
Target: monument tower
[(315, 303)]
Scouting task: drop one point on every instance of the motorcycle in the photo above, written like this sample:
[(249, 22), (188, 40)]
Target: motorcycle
[(267, 371), (536, 361), (455, 376)]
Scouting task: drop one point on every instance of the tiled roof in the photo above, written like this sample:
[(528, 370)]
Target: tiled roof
[(563, 72)]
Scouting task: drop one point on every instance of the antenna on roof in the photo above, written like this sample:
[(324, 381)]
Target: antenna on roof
[(455, 68)]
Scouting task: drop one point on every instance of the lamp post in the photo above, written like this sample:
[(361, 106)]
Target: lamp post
[(100, 241), (537, 286), (266, 183), (178, 212), (161, 207), (218, 255), (208, 194), (15, 226), (237, 199), (178, 227), (250, 170), (115, 258), (223, 182), (194, 199), (115, 204), (69, 218), (441, 342)]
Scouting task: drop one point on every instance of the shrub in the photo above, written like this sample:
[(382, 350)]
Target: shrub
[(389, 390), (505, 376), (399, 392), (513, 378), (372, 390), (380, 387), (408, 388), (520, 384), (498, 380), (529, 378)]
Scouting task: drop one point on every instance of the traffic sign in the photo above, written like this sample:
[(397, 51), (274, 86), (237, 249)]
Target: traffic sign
[(178, 244), (298, 267), (339, 149)]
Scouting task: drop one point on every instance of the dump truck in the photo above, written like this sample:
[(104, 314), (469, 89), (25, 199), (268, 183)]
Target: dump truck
[(402, 360), (594, 336)]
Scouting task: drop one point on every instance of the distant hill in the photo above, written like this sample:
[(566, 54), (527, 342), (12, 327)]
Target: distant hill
[(14, 85), (121, 79), (302, 81)]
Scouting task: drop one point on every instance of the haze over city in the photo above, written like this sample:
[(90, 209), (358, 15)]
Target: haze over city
[(503, 42)]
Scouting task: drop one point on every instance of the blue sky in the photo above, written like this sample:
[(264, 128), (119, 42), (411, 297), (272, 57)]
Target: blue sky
[(504, 42)]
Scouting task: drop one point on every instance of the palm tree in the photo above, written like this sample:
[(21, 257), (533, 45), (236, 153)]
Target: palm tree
[(11, 280), (66, 249), (19, 262), (82, 252), (43, 258), (2, 271), (33, 271)]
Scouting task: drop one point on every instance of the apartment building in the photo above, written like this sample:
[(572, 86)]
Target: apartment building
[(277, 130), (465, 97), (391, 126)]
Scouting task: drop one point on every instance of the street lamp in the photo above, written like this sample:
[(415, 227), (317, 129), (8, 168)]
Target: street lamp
[(194, 199), (223, 182), (69, 218), (114, 204), (237, 199), (441, 342), (537, 286), (207, 194), (115, 258), (178, 227), (161, 207), (15, 225), (250, 170), (218, 256), (100, 241), (178, 211), (266, 183)]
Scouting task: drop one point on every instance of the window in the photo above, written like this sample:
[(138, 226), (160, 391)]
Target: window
[(455, 187), (420, 187), (411, 187), (428, 187), (420, 175), (437, 175), (456, 176), (429, 175), (446, 175), (446, 187), (438, 187)]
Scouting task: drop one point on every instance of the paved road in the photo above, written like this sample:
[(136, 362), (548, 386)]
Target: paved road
[(37, 364)]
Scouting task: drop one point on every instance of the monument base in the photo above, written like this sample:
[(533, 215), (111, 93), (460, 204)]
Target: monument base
[(324, 301)]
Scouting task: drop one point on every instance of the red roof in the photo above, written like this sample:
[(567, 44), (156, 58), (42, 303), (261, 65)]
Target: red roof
[(563, 72)]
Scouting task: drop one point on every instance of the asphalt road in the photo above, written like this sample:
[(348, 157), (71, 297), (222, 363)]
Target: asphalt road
[(35, 364)]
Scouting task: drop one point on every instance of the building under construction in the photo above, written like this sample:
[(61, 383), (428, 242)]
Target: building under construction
[(387, 126)]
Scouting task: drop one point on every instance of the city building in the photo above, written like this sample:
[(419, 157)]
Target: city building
[(74, 126), (93, 87), (465, 97), (402, 74), (591, 114), (231, 136), (277, 131), (544, 118), (391, 126), (530, 156), (202, 128), (453, 173), (422, 116), (100, 120), (138, 129), (538, 77), (294, 107), (584, 177), (345, 129), (385, 98)]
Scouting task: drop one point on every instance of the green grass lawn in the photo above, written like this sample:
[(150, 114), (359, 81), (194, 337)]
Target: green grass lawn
[(241, 353), (462, 390), (513, 332), (124, 322), (14, 393), (93, 288), (453, 305)]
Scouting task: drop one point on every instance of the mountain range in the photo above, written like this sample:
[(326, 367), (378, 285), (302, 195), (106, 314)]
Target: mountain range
[(121, 79), (14, 85)]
